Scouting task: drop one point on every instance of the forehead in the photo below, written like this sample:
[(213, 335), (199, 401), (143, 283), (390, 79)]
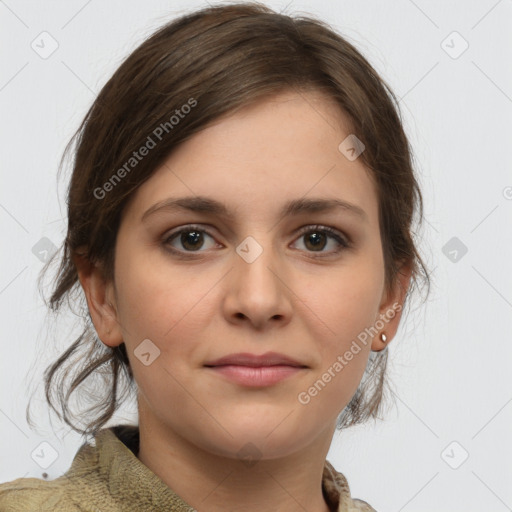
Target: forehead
[(264, 155)]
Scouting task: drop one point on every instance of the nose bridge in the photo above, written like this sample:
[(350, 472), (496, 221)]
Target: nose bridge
[(255, 257), (255, 287)]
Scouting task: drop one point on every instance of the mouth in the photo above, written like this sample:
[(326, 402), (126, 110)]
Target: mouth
[(255, 376), (253, 370)]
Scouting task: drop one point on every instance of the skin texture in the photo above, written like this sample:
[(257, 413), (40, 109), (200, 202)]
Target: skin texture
[(211, 303)]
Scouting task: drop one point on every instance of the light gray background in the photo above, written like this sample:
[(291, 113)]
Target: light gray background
[(451, 361)]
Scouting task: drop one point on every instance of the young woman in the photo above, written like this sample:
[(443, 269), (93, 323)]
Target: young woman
[(240, 224)]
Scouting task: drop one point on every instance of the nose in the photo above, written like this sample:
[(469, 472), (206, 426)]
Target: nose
[(258, 288)]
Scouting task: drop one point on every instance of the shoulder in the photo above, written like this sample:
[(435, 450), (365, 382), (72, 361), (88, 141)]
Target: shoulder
[(73, 491), (25, 494), (87, 485), (337, 488)]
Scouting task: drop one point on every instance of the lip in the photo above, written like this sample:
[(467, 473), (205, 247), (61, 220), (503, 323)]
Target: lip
[(259, 376), (256, 361)]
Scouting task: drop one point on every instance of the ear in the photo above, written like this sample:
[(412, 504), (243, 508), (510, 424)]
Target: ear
[(391, 307), (100, 300)]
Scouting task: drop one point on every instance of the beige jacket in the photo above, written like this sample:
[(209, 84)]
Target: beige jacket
[(107, 476)]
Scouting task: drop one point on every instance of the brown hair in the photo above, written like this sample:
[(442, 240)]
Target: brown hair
[(223, 58)]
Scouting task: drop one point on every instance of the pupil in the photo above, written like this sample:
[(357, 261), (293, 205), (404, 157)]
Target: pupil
[(316, 238), (192, 237)]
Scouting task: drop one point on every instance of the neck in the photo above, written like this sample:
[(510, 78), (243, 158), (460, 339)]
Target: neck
[(207, 481)]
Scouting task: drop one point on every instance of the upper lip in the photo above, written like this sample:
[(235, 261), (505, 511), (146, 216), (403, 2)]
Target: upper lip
[(247, 359)]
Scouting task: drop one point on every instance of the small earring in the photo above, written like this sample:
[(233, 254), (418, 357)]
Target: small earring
[(383, 338)]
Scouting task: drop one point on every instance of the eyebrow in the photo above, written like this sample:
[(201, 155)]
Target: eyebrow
[(202, 204)]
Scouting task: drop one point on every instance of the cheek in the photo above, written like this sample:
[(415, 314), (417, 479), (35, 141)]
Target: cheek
[(172, 306), (156, 296), (337, 307), (163, 304), (345, 302)]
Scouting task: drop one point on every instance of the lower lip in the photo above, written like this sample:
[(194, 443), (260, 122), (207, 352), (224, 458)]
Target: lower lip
[(256, 376)]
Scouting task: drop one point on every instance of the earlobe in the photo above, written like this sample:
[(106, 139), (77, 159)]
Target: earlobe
[(390, 311), (100, 300)]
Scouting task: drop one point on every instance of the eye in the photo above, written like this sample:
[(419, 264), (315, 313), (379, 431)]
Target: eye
[(191, 238), (317, 238)]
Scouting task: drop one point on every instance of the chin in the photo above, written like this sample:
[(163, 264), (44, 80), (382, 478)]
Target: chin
[(264, 440)]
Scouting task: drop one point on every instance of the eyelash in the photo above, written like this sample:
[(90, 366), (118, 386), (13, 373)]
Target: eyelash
[(343, 242)]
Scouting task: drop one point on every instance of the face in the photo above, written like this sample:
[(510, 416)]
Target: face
[(251, 279)]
